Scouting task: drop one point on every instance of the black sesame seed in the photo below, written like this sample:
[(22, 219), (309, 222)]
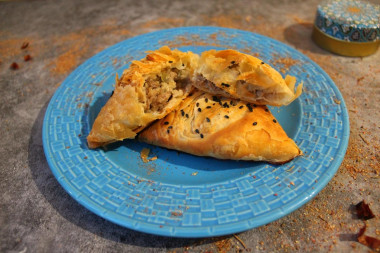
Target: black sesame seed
[(233, 65), (220, 102), (182, 113), (225, 84), (187, 115), (206, 100), (208, 120), (275, 121), (199, 109), (226, 116), (197, 104), (215, 98), (241, 107), (202, 136), (170, 127), (262, 62), (208, 107), (231, 102), (266, 109), (166, 123), (183, 65), (254, 123), (249, 106), (168, 131), (225, 105), (197, 131), (254, 105), (170, 61)]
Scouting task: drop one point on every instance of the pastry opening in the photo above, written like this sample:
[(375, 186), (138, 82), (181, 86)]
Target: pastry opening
[(254, 90), (161, 89), (206, 85), (242, 87)]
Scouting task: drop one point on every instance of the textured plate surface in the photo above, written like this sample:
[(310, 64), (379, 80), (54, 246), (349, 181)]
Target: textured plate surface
[(179, 194)]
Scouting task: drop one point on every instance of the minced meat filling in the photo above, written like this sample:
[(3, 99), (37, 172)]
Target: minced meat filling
[(253, 89), (208, 85), (203, 83), (161, 89)]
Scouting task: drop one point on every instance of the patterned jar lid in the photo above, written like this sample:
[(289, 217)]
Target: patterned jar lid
[(349, 20)]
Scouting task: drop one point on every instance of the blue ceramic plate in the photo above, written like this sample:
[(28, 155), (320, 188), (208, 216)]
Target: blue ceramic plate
[(179, 194)]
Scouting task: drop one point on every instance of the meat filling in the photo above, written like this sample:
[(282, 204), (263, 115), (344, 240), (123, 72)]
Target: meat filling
[(253, 89), (161, 89), (206, 85), (242, 87)]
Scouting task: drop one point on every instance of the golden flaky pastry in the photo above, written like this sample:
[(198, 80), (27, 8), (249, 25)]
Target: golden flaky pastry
[(241, 76), (148, 90), (206, 125)]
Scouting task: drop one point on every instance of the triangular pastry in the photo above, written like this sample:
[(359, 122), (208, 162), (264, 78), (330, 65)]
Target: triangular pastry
[(207, 125), (148, 90), (236, 75)]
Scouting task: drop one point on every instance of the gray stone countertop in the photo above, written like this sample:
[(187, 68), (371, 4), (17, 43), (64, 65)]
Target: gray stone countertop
[(37, 215)]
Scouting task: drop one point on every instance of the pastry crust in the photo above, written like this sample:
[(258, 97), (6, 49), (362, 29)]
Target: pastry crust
[(206, 125), (148, 90), (236, 75)]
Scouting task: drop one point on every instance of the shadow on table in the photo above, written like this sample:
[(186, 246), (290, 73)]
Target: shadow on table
[(75, 213), (299, 35)]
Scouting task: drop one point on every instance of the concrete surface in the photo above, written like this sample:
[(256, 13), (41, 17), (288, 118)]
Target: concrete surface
[(37, 215)]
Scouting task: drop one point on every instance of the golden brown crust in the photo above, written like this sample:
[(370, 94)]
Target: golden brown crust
[(203, 125), (242, 76), (145, 92)]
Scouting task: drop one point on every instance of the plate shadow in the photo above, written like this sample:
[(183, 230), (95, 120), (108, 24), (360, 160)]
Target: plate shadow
[(299, 35)]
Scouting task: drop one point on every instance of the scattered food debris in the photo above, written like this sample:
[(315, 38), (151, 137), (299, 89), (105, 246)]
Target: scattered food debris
[(337, 101), (366, 142), (194, 174), (363, 211), (291, 168), (24, 45), (14, 66), (240, 240), (144, 155), (176, 214), (359, 79), (369, 241), (223, 245), (27, 57), (285, 63)]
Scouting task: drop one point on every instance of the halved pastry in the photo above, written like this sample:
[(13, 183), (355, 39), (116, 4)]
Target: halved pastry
[(241, 76), (207, 125), (148, 90)]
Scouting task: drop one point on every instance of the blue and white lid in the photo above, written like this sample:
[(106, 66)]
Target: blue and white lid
[(349, 20)]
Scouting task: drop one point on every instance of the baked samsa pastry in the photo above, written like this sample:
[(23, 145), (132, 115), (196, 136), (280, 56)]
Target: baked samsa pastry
[(236, 75), (148, 90), (206, 125)]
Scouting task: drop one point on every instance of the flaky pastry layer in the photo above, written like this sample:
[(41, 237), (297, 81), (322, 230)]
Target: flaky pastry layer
[(206, 125)]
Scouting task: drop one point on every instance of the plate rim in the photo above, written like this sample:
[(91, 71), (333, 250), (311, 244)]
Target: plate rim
[(301, 200)]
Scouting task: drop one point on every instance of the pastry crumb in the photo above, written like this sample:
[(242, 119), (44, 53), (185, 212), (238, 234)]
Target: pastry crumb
[(144, 155), (337, 101)]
